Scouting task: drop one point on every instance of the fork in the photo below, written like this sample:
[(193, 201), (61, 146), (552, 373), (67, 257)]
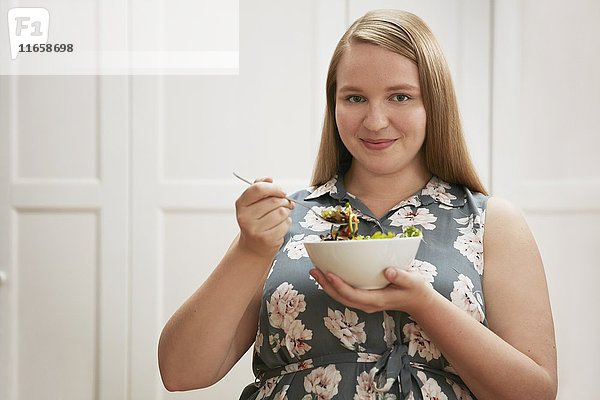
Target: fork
[(297, 202)]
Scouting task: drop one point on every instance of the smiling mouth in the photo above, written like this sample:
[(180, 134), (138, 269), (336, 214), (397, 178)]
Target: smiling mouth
[(378, 144), (378, 141)]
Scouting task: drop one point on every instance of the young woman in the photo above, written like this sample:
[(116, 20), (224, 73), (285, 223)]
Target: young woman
[(470, 319)]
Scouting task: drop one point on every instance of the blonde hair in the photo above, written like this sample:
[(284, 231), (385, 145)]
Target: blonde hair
[(445, 151)]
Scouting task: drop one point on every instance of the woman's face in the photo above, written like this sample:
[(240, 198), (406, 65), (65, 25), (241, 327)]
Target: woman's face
[(379, 110)]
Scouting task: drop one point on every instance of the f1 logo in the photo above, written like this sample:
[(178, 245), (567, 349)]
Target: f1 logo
[(27, 26)]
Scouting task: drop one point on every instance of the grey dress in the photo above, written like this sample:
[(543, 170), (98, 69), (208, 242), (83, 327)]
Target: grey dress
[(308, 346)]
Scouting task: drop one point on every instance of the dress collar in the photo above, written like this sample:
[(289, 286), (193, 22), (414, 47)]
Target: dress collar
[(435, 191)]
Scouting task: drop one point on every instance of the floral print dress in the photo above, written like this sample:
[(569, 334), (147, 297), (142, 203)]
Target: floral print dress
[(308, 346)]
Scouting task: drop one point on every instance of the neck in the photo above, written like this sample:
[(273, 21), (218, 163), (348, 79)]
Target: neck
[(380, 192)]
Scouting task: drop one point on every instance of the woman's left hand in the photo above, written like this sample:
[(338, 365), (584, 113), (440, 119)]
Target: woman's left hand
[(407, 292)]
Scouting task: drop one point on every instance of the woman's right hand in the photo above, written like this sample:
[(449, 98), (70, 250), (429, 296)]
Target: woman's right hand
[(263, 214)]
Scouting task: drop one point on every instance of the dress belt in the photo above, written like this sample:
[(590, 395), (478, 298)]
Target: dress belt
[(390, 366)]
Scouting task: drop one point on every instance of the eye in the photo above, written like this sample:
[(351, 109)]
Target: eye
[(355, 99), (400, 98)]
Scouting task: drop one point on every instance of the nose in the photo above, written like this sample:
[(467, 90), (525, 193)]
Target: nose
[(376, 118)]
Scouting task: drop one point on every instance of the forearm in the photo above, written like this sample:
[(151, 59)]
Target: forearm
[(491, 367), (207, 331)]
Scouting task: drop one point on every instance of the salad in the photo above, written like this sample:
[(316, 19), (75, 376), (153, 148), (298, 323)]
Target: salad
[(348, 230), (341, 215)]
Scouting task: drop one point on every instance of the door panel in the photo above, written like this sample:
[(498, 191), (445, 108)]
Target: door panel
[(56, 254)]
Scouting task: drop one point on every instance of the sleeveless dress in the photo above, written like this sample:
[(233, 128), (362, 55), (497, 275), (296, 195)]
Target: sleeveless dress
[(308, 346)]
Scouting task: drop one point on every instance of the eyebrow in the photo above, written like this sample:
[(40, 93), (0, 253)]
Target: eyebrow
[(405, 86)]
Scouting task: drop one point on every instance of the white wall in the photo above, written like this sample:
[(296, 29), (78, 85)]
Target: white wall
[(116, 195)]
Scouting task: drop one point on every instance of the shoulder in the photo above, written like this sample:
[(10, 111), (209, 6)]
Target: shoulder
[(506, 229), (503, 215)]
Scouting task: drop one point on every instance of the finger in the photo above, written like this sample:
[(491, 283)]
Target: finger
[(325, 280), (258, 191), (398, 277), (332, 282), (368, 300), (264, 207), (279, 231), (274, 218), (265, 179), (340, 285), (272, 238), (258, 227), (347, 291), (325, 284), (318, 275)]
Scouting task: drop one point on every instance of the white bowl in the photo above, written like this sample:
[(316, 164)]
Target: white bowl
[(361, 262)]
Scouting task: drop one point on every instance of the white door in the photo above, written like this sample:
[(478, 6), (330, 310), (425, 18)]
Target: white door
[(64, 237)]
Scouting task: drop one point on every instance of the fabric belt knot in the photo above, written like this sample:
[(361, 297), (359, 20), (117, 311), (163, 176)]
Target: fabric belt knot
[(393, 365)]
